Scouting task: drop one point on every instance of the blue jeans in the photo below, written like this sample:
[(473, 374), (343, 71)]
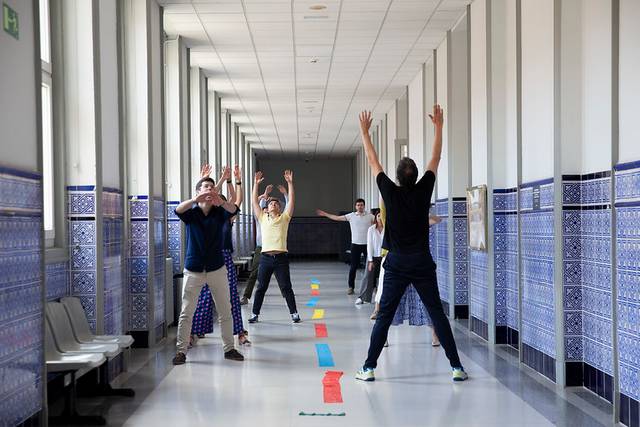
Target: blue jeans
[(400, 271), (278, 264)]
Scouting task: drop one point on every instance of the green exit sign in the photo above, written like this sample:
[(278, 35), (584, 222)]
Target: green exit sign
[(10, 21)]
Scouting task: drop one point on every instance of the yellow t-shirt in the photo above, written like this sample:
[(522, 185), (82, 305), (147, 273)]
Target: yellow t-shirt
[(274, 232), (383, 218)]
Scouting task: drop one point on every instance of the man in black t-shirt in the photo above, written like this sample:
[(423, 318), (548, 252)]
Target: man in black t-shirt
[(406, 237)]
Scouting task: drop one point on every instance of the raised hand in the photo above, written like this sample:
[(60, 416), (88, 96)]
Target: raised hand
[(365, 121), (226, 173), (288, 176), (437, 118), (268, 190), (259, 177), (237, 173), (320, 212), (206, 170), (281, 189), (204, 197)]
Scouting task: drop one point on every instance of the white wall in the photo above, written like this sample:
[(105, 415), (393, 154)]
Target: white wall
[(459, 110), (537, 89), (429, 100), (390, 167), (18, 75), (629, 104), (156, 98), (80, 126), (479, 100), (416, 120), (442, 99), (197, 79), (504, 94), (109, 95)]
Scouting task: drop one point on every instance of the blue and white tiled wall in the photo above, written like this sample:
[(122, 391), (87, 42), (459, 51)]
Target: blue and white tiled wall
[(174, 237), (478, 292), (505, 240), (442, 251), (627, 202), (159, 210), (586, 225), (461, 257), (57, 280), (537, 260), (114, 262), (138, 246), (81, 212), (21, 310)]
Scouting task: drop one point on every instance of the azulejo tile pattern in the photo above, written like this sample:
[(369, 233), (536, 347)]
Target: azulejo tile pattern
[(587, 260), (159, 209), (505, 240), (478, 285), (82, 247), (57, 280), (460, 248), (21, 281), (114, 262), (138, 264), (627, 202), (174, 236), (442, 249), (537, 257)]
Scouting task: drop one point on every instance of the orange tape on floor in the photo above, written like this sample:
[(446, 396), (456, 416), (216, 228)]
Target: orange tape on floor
[(331, 387), (321, 330)]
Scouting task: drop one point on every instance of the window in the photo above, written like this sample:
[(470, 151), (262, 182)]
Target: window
[(47, 125), (404, 150)]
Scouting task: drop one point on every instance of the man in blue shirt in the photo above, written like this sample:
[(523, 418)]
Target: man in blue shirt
[(204, 217)]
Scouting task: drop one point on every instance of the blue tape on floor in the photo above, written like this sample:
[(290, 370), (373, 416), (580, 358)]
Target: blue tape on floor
[(312, 302), (324, 355)]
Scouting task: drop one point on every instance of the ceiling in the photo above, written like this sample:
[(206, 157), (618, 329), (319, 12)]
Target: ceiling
[(294, 77)]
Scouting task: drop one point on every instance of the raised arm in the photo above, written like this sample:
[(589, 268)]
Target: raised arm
[(320, 212), (224, 176), (239, 196), (188, 204), (370, 152), (437, 118), (257, 210), (288, 176)]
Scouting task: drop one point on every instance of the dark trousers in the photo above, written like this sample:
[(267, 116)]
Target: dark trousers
[(253, 276), (356, 252), (372, 280), (278, 264), (400, 271)]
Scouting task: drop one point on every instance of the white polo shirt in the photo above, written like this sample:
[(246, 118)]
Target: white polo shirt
[(359, 224)]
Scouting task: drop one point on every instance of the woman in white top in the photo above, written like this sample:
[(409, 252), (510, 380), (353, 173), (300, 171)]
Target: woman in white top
[(375, 234)]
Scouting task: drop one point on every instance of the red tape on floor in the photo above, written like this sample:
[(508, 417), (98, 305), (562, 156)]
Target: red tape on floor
[(321, 330), (315, 292), (331, 387)]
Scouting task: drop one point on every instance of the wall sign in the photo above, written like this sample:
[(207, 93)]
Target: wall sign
[(536, 198), (10, 21)]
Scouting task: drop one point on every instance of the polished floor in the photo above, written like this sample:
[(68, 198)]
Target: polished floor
[(281, 377)]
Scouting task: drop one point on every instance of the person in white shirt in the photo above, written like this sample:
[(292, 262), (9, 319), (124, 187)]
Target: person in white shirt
[(359, 222), (375, 235)]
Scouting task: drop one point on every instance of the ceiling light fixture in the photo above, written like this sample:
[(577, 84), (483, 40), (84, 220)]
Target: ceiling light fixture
[(314, 60), (316, 17), (318, 7)]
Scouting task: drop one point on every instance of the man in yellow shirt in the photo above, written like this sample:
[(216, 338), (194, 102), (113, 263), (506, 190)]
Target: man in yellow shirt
[(274, 226)]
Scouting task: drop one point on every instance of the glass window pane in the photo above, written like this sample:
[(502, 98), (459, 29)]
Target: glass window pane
[(45, 35), (47, 159)]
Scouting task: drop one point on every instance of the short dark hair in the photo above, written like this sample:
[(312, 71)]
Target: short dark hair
[(273, 199), (360, 201), (375, 211), (407, 172), (202, 181)]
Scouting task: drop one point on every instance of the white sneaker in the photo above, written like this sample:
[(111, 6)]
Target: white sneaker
[(359, 301), (365, 374)]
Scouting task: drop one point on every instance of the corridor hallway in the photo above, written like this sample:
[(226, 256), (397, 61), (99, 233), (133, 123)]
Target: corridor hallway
[(281, 378)]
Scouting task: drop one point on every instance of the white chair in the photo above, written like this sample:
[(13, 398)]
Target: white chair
[(76, 365), (81, 328), (66, 341)]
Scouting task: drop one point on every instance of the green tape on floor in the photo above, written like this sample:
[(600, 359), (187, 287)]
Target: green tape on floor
[(322, 414)]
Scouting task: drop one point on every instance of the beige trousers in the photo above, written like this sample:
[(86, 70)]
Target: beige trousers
[(219, 285)]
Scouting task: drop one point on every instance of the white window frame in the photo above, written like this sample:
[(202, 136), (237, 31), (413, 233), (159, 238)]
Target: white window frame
[(48, 165)]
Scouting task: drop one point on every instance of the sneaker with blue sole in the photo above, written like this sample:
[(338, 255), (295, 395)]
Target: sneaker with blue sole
[(458, 374), (365, 374)]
